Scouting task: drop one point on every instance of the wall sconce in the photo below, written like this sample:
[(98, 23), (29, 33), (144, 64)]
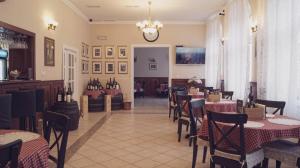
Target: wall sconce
[(222, 41), (254, 28), (52, 26)]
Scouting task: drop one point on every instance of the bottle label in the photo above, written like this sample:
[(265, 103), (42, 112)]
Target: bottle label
[(59, 98), (68, 98)]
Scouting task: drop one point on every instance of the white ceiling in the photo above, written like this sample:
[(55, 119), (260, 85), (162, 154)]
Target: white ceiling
[(135, 10)]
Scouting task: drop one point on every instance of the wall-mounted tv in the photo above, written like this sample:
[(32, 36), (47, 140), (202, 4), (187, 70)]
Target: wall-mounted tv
[(185, 55)]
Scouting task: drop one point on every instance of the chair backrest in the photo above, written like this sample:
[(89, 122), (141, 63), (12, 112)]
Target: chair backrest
[(40, 100), (10, 153), (24, 108), (60, 125), (227, 95), (277, 105), (218, 136), (5, 112), (239, 106), (196, 111), (182, 100)]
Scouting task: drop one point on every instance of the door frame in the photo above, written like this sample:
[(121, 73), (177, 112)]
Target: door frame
[(77, 64), (133, 46)]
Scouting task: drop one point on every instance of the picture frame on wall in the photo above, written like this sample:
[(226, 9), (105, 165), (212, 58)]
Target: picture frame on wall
[(109, 67), (109, 51), (84, 50), (152, 66), (122, 52), (97, 67), (87, 51), (84, 66), (97, 52), (49, 51), (123, 67)]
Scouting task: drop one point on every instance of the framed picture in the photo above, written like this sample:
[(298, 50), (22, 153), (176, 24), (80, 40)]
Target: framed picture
[(84, 66), (97, 67), (152, 66), (87, 50), (109, 67), (97, 51), (122, 52), (123, 67), (109, 51), (49, 52)]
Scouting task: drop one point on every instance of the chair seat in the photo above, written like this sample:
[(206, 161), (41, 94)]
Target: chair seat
[(252, 159), (284, 151)]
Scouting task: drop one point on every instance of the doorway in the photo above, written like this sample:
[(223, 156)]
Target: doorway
[(151, 76), (70, 70)]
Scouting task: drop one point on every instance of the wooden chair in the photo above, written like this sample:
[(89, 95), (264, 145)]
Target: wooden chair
[(59, 124), (24, 108), (277, 105), (5, 114), (227, 95), (182, 100), (195, 120), (172, 103), (10, 153), (239, 106), (173, 95), (232, 154)]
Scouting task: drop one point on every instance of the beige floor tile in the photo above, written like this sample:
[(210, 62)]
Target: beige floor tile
[(115, 163), (131, 158), (83, 162), (146, 163), (162, 158)]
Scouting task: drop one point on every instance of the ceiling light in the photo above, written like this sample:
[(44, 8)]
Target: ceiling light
[(150, 28)]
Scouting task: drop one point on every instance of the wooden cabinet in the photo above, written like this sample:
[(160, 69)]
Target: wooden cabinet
[(150, 84)]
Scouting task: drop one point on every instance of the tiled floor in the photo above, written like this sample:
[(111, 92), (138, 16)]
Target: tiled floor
[(136, 140)]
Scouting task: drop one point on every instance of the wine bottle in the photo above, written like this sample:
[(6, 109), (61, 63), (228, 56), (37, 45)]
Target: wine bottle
[(250, 98), (64, 95), (59, 95), (69, 94)]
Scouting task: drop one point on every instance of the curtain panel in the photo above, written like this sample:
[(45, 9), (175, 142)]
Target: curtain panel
[(237, 49), (213, 52), (279, 65)]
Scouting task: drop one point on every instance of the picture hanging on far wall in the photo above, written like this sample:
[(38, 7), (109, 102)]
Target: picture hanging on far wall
[(84, 50), (109, 67), (122, 52), (123, 67), (97, 52), (84, 66), (109, 51), (49, 52), (97, 67), (152, 66)]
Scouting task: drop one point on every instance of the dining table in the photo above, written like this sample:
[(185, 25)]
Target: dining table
[(223, 105), (34, 151), (260, 132)]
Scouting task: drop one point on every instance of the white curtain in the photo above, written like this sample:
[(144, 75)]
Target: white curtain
[(237, 48), (279, 65), (213, 52)]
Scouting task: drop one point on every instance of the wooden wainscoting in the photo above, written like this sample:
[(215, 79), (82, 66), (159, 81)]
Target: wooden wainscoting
[(151, 84)]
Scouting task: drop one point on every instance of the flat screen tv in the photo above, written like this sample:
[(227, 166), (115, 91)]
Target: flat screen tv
[(186, 55)]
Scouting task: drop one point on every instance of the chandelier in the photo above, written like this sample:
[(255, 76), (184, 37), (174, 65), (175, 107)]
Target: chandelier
[(150, 28)]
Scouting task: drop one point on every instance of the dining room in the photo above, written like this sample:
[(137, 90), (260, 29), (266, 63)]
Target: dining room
[(74, 94)]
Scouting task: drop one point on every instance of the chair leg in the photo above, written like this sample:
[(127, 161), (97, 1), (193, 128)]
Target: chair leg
[(187, 127), (170, 112), (265, 163), (179, 129), (190, 141), (204, 154), (278, 164), (195, 152), (212, 164), (174, 115)]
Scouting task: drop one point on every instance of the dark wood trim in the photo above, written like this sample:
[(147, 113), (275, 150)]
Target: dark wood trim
[(16, 29)]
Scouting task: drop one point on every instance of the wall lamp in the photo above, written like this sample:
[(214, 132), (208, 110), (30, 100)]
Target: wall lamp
[(52, 25), (254, 28)]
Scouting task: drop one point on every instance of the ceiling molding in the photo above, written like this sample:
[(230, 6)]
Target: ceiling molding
[(163, 22), (75, 9)]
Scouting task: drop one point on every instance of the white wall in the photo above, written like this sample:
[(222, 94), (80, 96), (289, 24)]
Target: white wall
[(141, 66)]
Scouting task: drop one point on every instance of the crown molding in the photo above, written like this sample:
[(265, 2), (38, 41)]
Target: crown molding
[(163, 22), (75, 9)]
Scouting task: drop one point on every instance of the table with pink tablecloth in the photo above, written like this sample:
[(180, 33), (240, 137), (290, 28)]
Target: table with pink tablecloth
[(256, 137), (34, 153), (221, 106)]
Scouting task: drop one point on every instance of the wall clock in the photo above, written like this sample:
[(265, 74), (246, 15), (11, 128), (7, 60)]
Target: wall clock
[(151, 37)]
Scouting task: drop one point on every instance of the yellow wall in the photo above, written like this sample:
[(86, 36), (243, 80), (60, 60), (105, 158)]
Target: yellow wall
[(128, 34), (71, 31)]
